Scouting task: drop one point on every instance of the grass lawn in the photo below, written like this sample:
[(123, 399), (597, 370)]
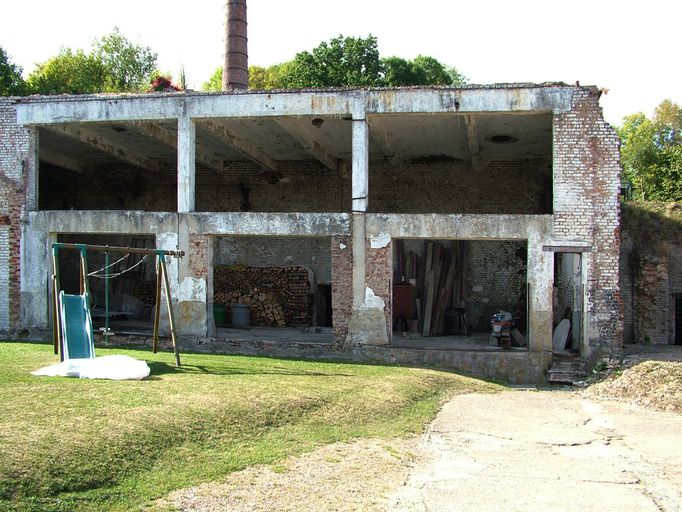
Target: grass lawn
[(71, 444)]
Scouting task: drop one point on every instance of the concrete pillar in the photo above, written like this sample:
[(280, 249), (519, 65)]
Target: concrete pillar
[(368, 322), (540, 295), (360, 191), (36, 269), (186, 163)]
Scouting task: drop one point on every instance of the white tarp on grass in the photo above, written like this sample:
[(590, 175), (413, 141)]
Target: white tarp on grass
[(106, 367)]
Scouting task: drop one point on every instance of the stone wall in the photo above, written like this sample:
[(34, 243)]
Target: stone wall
[(505, 186), (313, 253), (651, 276), (586, 207), (496, 280), (513, 186)]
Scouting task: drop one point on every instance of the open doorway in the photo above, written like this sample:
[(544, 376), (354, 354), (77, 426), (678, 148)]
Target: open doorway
[(450, 294), (568, 302), (273, 287)]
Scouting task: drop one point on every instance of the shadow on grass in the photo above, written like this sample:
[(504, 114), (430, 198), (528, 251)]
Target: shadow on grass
[(159, 368)]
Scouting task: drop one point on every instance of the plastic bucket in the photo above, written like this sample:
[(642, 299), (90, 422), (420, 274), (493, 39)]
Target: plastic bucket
[(241, 315), (220, 314)]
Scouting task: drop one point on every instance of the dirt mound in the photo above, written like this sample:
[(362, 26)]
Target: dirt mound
[(651, 384)]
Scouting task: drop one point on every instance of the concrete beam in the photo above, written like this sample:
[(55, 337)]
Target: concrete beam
[(474, 146), (170, 139), (279, 224), (62, 161), (458, 226), (219, 130), (104, 221), (106, 146), (224, 223), (304, 134), (186, 164), (45, 110)]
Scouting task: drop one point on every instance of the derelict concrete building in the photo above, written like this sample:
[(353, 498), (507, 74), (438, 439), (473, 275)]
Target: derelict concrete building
[(330, 210)]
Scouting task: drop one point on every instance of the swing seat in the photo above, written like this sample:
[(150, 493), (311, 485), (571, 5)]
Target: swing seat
[(76, 327)]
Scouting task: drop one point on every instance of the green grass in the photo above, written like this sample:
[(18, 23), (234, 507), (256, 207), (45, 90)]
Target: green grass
[(70, 444)]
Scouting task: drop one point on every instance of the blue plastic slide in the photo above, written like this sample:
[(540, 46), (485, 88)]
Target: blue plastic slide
[(78, 342)]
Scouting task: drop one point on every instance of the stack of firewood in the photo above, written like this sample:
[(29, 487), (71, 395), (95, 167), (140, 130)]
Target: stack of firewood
[(265, 306), (277, 296)]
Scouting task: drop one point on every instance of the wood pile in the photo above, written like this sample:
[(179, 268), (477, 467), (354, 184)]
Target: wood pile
[(277, 296)]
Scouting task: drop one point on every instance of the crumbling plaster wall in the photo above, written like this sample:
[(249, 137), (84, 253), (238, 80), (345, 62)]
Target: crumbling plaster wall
[(586, 207)]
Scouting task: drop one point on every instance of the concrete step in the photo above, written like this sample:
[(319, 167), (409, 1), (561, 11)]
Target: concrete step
[(567, 371)]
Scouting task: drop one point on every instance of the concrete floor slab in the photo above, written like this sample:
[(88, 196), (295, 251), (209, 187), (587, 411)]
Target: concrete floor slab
[(545, 450)]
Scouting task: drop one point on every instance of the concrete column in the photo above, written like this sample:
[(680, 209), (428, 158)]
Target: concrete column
[(360, 190), (36, 269), (540, 295), (186, 163)]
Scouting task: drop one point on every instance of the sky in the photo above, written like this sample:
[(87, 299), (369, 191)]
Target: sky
[(629, 47)]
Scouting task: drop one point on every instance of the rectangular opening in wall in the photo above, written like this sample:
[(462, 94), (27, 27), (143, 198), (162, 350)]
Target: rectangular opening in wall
[(131, 278), (568, 302), (270, 164), (272, 288), (108, 166), (461, 163), (460, 294)]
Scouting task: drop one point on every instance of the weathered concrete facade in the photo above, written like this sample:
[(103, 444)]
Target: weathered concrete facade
[(532, 165)]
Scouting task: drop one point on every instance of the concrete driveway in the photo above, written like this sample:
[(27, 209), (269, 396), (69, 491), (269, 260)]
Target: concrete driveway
[(545, 451)]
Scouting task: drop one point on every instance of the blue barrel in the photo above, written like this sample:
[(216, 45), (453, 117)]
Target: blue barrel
[(241, 315)]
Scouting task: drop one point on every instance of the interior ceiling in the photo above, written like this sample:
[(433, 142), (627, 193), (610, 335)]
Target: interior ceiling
[(152, 145)]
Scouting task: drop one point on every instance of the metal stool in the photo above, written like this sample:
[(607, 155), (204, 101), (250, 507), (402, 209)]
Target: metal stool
[(456, 321)]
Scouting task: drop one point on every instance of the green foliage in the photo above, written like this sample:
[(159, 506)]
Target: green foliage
[(346, 62), (342, 62), (423, 70), (651, 153), (70, 72), (114, 65), (130, 66), (11, 82), (77, 444), (215, 81)]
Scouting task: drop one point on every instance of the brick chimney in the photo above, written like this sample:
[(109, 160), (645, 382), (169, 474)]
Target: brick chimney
[(236, 62)]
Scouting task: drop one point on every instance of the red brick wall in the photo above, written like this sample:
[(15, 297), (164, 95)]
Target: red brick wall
[(16, 149), (342, 285)]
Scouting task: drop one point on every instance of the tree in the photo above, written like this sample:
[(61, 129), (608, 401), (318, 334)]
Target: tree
[(70, 72), (651, 153), (342, 62), (130, 67), (423, 70), (346, 62), (11, 82)]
